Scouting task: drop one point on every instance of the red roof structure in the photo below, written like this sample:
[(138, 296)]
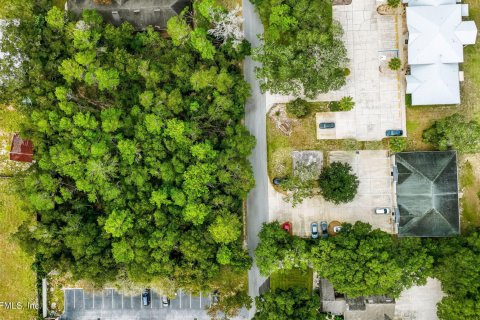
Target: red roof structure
[(21, 150)]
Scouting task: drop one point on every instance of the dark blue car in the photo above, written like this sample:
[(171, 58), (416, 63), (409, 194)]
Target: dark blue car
[(394, 133)]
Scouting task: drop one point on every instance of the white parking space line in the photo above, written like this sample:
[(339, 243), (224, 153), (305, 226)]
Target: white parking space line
[(190, 301), (83, 293), (200, 300), (151, 298), (103, 299), (131, 302), (93, 298), (180, 291), (73, 299), (112, 298), (210, 297), (122, 300)]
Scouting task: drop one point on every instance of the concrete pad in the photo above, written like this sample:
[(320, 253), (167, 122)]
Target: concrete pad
[(311, 158), (326, 133), (420, 302), (375, 190)]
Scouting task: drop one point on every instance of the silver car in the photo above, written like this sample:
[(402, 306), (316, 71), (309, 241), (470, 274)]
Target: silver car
[(314, 230)]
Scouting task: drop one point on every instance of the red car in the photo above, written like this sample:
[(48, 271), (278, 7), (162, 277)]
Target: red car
[(287, 226)]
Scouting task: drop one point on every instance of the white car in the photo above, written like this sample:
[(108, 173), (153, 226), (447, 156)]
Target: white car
[(382, 211)]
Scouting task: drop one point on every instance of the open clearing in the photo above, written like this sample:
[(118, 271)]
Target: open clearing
[(294, 278), (16, 276)]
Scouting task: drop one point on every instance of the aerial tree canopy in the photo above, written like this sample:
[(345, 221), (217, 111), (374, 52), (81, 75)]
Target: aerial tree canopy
[(302, 51), (360, 261), (338, 183), (454, 132), (296, 303), (278, 250), (139, 147), (457, 269)]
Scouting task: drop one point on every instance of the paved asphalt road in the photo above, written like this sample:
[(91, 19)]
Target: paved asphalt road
[(255, 120)]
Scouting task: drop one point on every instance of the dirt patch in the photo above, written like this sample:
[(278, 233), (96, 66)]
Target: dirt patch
[(385, 9), (282, 122), (341, 2)]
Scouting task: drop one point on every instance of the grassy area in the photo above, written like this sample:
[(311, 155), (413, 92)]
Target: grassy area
[(294, 278), (420, 118), (304, 137), (59, 3), (17, 279), (470, 185)]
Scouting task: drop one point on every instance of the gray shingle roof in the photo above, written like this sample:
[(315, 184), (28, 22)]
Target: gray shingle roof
[(427, 193), (139, 13)]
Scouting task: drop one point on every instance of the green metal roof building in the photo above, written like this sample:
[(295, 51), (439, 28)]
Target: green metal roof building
[(427, 194)]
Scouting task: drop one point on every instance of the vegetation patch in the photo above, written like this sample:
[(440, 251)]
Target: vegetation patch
[(294, 278), (303, 136), (17, 278)]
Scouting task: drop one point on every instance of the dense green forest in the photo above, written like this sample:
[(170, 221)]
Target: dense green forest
[(140, 154)]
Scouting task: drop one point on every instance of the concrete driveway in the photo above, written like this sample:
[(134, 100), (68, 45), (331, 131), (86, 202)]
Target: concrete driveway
[(371, 39), (373, 168), (420, 302)]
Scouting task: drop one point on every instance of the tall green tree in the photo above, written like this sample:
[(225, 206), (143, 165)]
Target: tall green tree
[(302, 51), (337, 183), (139, 169), (289, 304), (457, 269), (360, 261), (454, 132), (278, 250)]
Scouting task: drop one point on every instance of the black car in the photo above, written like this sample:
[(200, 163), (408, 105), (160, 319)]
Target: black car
[(327, 125), (324, 228), (146, 297)]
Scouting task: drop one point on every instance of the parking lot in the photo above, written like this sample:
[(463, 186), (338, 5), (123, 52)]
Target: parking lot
[(371, 40), (373, 168), (112, 305)]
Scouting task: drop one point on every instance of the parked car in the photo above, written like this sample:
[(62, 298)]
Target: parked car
[(215, 297), (165, 301), (327, 125), (287, 226), (146, 297), (382, 210), (277, 181), (337, 229), (394, 133), (314, 230), (324, 228)]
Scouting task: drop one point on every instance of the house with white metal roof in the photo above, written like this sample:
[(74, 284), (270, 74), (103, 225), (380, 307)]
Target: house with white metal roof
[(437, 35)]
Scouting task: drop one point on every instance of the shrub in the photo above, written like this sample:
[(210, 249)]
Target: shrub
[(393, 3), (338, 184), (454, 132), (297, 108), (395, 64), (345, 104), (397, 144)]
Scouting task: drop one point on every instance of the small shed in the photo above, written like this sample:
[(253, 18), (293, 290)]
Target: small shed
[(21, 150)]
